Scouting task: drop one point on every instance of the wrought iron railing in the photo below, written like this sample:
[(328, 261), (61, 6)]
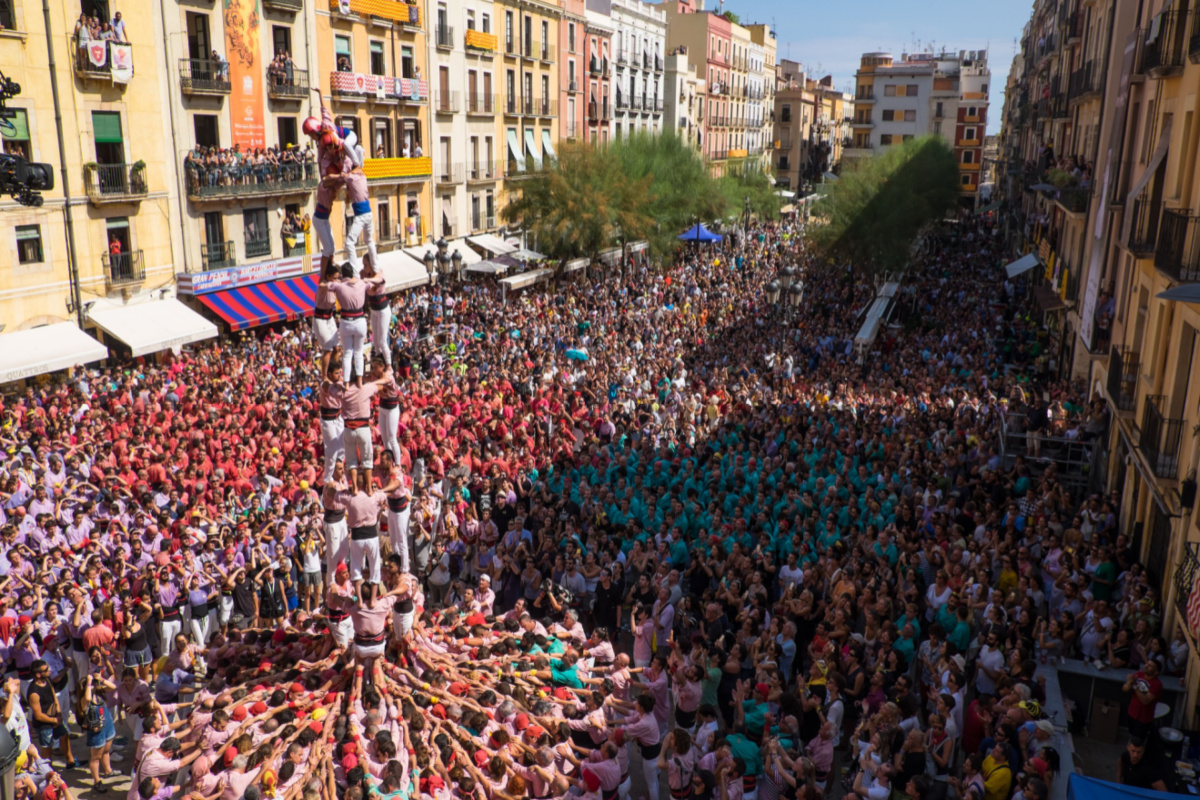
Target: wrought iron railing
[(217, 255), (256, 248), (203, 76), (115, 183), (123, 269), (1162, 44), (1178, 251), (1143, 232), (1159, 438), (288, 83), (1185, 576), (1123, 366)]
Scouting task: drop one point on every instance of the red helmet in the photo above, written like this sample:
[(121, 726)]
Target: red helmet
[(312, 126), (329, 140)]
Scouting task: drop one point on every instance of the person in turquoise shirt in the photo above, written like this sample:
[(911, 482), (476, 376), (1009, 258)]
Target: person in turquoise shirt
[(886, 548), (960, 635), (563, 672), (754, 711)]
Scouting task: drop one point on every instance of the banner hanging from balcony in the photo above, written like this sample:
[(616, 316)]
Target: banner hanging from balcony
[(122, 62), (97, 51), (245, 72)]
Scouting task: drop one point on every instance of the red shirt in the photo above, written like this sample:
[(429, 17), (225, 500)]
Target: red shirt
[(1144, 712)]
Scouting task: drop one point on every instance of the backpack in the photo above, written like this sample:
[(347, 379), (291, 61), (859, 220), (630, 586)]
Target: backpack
[(93, 718)]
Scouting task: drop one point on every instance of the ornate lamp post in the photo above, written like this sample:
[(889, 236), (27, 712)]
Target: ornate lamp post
[(431, 267)]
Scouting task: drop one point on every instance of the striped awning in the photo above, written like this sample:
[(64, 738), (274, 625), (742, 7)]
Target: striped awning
[(264, 303)]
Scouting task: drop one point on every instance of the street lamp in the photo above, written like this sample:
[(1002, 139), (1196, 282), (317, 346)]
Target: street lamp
[(794, 295), (773, 292), (431, 267), (457, 259), (787, 275), (443, 259)]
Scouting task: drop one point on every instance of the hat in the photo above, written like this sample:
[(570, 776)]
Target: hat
[(258, 708), (563, 693), (24, 619), (297, 687), (1031, 707), (481, 758), (762, 688), (342, 567), (349, 762), (438, 710), (316, 727), (591, 780), (239, 714), (303, 484), (535, 732), (1045, 726), (319, 714), (458, 688), (521, 722), (959, 661), (231, 753)]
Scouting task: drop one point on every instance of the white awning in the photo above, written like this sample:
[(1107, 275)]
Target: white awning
[(548, 146), (785, 193), (870, 327), (610, 256), (638, 246), (525, 278), (514, 151), (576, 264), (889, 289), (492, 244), (460, 246), (488, 268), (37, 351), (531, 150), (152, 326), (401, 271), (1022, 264)]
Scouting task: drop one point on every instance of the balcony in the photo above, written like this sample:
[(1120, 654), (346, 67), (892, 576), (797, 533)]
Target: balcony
[(622, 102), (483, 172), (1122, 383), (546, 55), (296, 249), (719, 155), (287, 179), (1159, 438), (1162, 45), (1074, 200), (512, 105), (258, 248), (545, 107), (115, 183), (286, 6), (392, 10), (478, 103), (290, 84), (647, 59), (201, 76), (446, 103), (444, 37), (358, 87), (1143, 234), (480, 41), (124, 269), (1085, 82), (658, 64), (397, 170), (622, 57), (449, 174), (594, 66), (573, 87), (96, 61), (1074, 27), (1178, 251), (217, 255)]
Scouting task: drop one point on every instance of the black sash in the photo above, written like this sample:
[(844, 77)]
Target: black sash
[(364, 533)]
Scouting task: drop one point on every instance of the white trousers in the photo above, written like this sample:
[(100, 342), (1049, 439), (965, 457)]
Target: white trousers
[(325, 235), (325, 331), (650, 770), (389, 431), (335, 445), (352, 333), (402, 623), (169, 629), (360, 225), (364, 560), (201, 627), (359, 451), (337, 545), (343, 632), (398, 535), (381, 323)]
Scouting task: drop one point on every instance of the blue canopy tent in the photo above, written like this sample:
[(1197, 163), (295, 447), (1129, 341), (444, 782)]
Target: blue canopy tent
[(1080, 787), (699, 233)]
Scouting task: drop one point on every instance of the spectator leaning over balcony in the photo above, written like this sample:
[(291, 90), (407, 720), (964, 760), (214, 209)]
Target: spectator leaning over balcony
[(118, 27), (222, 66), (340, 158)]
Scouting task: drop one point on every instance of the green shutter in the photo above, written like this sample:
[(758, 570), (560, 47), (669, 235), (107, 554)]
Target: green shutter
[(27, 232), (106, 126), (21, 123)]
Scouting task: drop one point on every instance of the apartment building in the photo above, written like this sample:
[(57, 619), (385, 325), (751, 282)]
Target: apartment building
[(573, 70), (640, 45), (706, 38), (760, 113), (601, 68), (945, 94), (103, 250), (462, 53), (795, 109), (684, 95), (1100, 181)]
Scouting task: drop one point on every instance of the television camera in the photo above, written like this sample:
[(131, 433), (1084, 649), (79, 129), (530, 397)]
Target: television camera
[(23, 179)]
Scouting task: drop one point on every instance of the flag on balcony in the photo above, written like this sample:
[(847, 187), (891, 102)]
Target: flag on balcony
[(1193, 606), (122, 62), (98, 53)]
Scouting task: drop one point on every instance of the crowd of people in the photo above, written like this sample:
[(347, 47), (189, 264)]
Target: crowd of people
[(210, 167), (645, 530)]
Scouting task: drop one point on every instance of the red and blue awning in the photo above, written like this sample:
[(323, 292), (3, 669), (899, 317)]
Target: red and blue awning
[(264, 303)]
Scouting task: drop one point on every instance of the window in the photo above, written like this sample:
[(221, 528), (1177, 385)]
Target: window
[(937, 127), (966, 180), (983, 88), (287, 130), (889, 115), (29, 244), (383, 210), (486, 22), (908, 137), (910, 116), (17, 141), (510, 87), (341, 46), (546, 94), (110, 143), (257, 232), (785, 113), (889, 91), (885, 139), (214, 237), (281, 39), (968, 157), (349, 122), (938, 111), (377, 62), (408, 65), (545, 54), (912, 90), (381, 142), (972, 111), (571, 36), (119, 246), (508, 31), (970, 135), (570, 71), (7, 18)]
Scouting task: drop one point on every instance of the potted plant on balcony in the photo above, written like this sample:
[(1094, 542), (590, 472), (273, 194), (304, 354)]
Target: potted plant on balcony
[(137, 177)]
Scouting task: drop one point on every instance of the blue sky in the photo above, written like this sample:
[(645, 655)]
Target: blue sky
[(828, 37)]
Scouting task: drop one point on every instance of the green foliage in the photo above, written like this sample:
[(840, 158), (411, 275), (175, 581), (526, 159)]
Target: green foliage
[(732, 17), (683, 187), (876, 210), (755, 184), (581, 204)]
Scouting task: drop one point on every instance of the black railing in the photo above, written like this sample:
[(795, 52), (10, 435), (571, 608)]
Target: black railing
[(115, 183), (1074, 200), (284, 5), (1123, 369), (256, 248), (594, 66), (123, 269), (1162, 44), (1178, 251), (287, 82), (217, 255), (1144, 231), (203, 76), (1084, 81), (1159, 438)]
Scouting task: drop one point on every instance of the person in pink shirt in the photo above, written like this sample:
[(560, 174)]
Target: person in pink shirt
[(642, 728), (332, 426), (643, 637), (351, 294), (362, 516), (325, 328), (398, 489), (355, 397), (688, 691)]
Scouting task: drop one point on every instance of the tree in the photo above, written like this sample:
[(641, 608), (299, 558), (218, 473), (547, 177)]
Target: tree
[(683, 187), (755, 184), (878, 207), (581, 204)]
